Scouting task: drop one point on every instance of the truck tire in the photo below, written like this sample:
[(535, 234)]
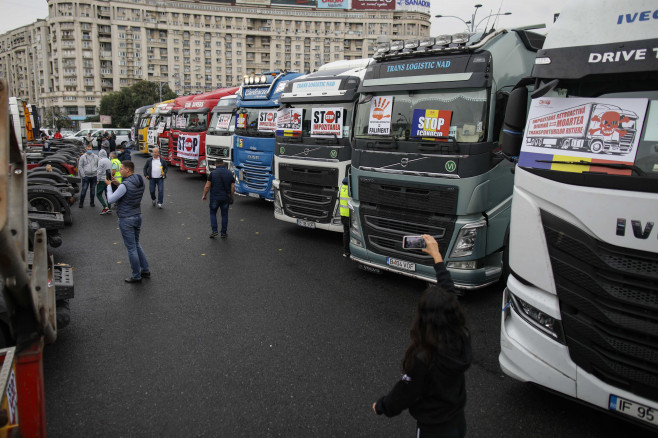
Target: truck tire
[(44, 202), (596, 146)]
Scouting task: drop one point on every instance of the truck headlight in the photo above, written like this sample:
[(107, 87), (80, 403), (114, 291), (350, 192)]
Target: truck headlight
[(465, 242), (202, 163), (354, 224), (540, 320)]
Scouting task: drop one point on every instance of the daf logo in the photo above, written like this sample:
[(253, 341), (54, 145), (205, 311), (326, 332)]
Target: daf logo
[(404, 162), (253, 148)]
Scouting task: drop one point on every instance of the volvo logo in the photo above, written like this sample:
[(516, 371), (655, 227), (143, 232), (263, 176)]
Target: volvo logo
[(404, 162), (306, 151)]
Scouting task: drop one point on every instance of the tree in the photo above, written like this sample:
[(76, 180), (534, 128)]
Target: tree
[(121, 105), (53, 117)]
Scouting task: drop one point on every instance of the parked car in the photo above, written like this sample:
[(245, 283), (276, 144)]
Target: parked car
[(123, 134)]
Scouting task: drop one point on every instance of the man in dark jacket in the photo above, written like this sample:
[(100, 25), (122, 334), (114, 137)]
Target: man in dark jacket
[(123, 154), (155, 170), (128, 197), (221, 185)]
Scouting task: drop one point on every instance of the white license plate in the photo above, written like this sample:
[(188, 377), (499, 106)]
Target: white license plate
[(190, 171), (633, 409), (254, 195), (407, 266), (307, 224)]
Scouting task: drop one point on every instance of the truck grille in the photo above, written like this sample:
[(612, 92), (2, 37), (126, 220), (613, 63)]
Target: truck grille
[(217, 152), (318, 176), (256, 177), (190, 164), (441, 199), (609, 306), (383, 228), (304, 201), (164, 148)]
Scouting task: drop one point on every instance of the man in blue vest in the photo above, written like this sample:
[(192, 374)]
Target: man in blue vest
[(128, 197)]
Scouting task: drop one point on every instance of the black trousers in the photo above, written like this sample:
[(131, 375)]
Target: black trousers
[(345, 220)]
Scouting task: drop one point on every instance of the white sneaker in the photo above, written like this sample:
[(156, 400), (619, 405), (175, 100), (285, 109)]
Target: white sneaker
[(159, 205)]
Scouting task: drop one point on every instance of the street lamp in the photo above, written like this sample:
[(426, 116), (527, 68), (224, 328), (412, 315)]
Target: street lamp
[(472, 21), (492, 15)]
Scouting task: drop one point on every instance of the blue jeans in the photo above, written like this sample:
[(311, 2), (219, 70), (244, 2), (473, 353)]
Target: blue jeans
[(130, 227), (160, 183), (86, 182), (216, 204)]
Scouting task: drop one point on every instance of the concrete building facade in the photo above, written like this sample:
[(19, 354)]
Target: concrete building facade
[(87, 48)]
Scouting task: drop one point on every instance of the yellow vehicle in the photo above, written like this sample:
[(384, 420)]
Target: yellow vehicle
[(144, 122), (159, 121)]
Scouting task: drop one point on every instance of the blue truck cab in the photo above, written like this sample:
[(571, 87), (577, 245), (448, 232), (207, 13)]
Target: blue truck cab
[(255, 128)]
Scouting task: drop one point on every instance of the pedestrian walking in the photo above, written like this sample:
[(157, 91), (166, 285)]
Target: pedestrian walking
[(128, 198), (155, 170), (433, 385), (122, 153), (104, 165), (345, 216), (221, 185), (87, 166)]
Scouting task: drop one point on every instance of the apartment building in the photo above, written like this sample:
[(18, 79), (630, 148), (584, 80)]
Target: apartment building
[(87, 48)]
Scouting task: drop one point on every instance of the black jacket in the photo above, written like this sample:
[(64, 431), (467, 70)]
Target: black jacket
[(147, 166), (434, 395), (124, 156)]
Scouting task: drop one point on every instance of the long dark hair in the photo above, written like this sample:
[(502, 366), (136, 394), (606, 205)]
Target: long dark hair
[(439, 326)]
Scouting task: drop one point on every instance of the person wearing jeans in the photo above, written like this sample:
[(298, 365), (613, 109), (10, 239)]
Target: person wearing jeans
[(128, 197), (155, 170), (87, 167), (221, 185)]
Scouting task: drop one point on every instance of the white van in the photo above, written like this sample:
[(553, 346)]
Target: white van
[(123, 134)]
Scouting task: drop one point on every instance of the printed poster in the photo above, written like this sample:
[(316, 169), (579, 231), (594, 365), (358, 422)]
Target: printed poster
[(289, 122), (223, 121), (241, 121), (267, 120), (590, 130), (151, 137), (431, 123), (327, 122), (188, 146), (379, 122)]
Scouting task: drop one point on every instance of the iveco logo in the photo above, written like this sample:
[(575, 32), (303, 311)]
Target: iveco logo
[(638, 231), (404, 162)]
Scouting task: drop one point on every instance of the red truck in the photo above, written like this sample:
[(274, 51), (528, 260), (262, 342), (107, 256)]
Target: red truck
[(191, 144), (171, 134)]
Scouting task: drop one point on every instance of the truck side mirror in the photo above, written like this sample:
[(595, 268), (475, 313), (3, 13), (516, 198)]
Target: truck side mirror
[(514, 124)]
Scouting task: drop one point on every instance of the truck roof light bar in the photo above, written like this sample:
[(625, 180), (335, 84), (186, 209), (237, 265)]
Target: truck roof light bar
[(426, 42), (443, 40), (461, 38), (383, 47), (410, 45), (396, 46)]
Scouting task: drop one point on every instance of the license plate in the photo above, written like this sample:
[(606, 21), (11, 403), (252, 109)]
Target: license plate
[(254, 195), (307, 224), (407, 266), (634, 410), (190, 171)]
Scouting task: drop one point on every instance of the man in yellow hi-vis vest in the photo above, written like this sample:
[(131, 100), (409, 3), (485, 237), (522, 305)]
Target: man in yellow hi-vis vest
[(345, 216)]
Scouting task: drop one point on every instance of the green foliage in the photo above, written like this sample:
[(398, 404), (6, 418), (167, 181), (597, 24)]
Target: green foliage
[(53, 117), (121, 105)]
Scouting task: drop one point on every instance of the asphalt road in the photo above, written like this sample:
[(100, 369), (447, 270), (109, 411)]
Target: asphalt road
[(268, 333)]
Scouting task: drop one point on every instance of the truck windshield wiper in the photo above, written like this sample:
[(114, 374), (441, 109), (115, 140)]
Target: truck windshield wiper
[(632, 167)]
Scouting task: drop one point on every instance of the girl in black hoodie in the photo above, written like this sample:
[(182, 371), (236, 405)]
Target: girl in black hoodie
[(433, 386)]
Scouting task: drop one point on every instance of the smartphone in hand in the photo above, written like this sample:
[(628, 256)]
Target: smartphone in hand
[(413, 242)]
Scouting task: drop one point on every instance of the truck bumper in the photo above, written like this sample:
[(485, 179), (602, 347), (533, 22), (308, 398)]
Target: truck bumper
[(529, 355), (465, 279), (329, 227)]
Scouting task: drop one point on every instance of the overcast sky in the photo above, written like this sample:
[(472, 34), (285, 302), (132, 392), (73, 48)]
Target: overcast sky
[(16, 13)]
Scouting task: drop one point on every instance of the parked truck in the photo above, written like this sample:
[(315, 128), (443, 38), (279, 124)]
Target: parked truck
[(314, 144), (427, 158), (191, 146), (580, 309), (144, 124), (159, 120), (253, 148), (177, 123), (219, 137)]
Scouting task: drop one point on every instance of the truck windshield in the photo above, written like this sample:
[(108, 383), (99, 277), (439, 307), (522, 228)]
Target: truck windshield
[(194, 122), (307, 122), (646, 155), (256, 122), (221, 124), (467, 109), (144, 121)]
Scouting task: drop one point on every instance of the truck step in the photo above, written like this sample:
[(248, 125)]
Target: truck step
[(62, 278), (47, 219)]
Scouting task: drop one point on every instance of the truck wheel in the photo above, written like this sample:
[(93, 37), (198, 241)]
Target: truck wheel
[(44, 202), (596, 146)]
